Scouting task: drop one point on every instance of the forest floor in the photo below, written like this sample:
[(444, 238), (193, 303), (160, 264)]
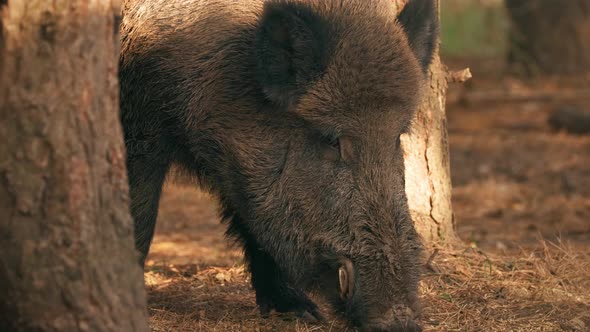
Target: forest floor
[(521, 196)]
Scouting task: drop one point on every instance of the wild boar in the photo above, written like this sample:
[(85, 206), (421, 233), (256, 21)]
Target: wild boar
[(290, 112)]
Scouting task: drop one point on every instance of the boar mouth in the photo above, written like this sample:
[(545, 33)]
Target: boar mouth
[(340, 283)]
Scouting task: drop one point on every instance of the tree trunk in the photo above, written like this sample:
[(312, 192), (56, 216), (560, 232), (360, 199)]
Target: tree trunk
[(67, 261), (549, 37), (428, 178)]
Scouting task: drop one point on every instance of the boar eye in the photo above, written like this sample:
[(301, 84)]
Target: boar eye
[(398, 141), (331, 149)]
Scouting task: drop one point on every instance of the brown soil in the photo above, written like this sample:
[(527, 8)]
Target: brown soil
[(522, 203)]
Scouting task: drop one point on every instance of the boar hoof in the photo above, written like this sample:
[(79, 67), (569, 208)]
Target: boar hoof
[(289, 300), (264, 309), (311, 316)]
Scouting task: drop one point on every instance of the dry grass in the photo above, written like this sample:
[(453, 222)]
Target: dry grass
[(542, 288), (464, 289), (547, 289)]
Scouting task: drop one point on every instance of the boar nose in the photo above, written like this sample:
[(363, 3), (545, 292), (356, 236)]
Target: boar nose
[(405, 325), (398, 319)]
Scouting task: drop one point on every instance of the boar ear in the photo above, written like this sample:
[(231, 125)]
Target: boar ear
[(290, 49), (346, 279), (419, 19)]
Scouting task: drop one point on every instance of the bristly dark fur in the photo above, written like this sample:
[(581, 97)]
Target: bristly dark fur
[(293, 47), (419, 18), (290, 112)]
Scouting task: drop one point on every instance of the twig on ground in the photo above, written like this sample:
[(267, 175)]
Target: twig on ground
[(459, 76), (430, 259)]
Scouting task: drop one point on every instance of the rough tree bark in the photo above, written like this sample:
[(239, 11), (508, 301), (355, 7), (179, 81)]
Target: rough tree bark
[(428, 180), (67, 261), (549, 37)]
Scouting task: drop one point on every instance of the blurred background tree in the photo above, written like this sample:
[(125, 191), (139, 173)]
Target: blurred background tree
[(532, 37), (549, 37), (473, 28)]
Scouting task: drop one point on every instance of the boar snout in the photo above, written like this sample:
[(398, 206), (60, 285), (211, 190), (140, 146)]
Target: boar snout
[(406, 325), (399, 319)]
